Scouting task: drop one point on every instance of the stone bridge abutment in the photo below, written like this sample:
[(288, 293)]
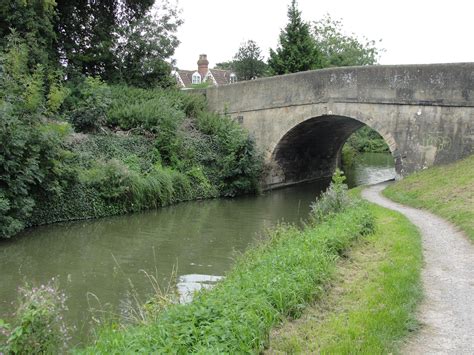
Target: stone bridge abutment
[(300, 121)]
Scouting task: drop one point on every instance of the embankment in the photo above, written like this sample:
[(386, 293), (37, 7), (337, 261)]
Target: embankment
[(447, 191)]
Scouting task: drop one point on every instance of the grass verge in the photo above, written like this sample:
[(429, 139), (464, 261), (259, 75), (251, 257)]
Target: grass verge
[(370, 306), (447, 191), (274, 280)]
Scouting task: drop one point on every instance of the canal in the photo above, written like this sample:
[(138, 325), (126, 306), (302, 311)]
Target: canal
[(100, 263)]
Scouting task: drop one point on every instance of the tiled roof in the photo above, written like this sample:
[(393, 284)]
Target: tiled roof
[(222, 77), (186, 76)]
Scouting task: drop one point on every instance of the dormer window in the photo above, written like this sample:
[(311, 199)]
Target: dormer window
[(233, 78), (196, 78)]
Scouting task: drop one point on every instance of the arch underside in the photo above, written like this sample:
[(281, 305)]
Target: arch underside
[(311, 150)]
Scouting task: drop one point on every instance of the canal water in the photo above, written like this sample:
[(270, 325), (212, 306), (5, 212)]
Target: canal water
[(101, 264)]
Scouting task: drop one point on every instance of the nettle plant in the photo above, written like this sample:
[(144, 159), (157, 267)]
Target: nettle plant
[(335, 199), (38, 325)]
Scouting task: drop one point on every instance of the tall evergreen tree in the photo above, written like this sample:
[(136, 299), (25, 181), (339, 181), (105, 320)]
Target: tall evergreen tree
[(297, 50), (248, 61)]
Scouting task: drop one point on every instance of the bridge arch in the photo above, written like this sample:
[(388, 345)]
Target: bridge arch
[(311, 149)]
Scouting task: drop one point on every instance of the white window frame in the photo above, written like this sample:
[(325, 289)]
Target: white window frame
[(196, 78)]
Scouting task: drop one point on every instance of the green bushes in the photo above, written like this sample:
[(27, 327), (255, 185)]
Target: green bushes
[(154, 110), (275, 279), (366, 139), (89, 104), (31, 156), (218, 145), (155, 147), (334, 200), (39, 327)]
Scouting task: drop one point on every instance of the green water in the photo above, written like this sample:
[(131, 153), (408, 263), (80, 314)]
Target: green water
[(94, 260)]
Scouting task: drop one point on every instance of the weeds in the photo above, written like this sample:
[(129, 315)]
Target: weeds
[(334, 200), (38, 326)]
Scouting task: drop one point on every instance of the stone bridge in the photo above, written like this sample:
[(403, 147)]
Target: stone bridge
[(300, 121)]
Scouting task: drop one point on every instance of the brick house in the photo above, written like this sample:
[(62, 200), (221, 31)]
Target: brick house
[(215, 77)]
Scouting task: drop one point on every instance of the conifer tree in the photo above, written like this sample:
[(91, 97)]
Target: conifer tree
[(248, 61), (297, 48)]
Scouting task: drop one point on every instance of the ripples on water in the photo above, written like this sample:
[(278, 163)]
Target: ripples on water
[(200, 238)]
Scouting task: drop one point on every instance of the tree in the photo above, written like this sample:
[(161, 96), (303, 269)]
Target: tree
[(228, 65), (297, 49), (88, 32), (145, 47), (248, 61), (33, 21), (340, 50)]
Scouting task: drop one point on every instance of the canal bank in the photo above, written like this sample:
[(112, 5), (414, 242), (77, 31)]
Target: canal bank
[(95, 259)]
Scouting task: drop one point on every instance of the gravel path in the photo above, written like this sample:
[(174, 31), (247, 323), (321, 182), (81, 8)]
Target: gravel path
[(447, 311)]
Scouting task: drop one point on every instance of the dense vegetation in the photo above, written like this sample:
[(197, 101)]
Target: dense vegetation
[(447, 191), (85, 148), (133, 149)]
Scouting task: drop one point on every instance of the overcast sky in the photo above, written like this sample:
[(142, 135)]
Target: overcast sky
[(412, 31)]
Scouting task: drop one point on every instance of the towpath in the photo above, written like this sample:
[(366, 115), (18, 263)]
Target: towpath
[(447, 311)]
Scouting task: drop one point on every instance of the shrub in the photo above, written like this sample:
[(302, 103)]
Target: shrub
[(111, 179), (349, 155), (153, 110), (31, 156), (38, 327), (237, 166), (192, 103), (90, 105), (334, 200), (136, 151), (366, 139)]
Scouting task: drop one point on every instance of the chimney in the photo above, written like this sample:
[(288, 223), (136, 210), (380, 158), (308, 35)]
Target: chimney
[(203, 65)]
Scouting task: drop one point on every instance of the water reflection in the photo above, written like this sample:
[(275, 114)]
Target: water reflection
[(370, 168), (189, 284)]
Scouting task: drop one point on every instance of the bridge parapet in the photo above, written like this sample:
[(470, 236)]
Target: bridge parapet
[(429, 84)]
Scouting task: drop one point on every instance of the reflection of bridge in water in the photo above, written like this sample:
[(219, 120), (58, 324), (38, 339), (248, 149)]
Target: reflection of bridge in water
[(300, 121)]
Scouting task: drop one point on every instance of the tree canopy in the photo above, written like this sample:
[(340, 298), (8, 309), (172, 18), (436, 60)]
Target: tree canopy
[(116, 40), (339, 49), (145, 47), (88, 32)]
